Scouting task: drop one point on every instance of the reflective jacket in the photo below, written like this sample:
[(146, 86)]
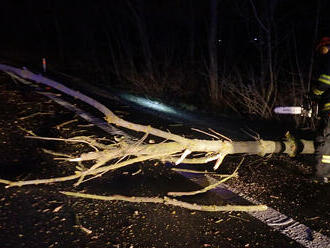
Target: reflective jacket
[(321, 88)]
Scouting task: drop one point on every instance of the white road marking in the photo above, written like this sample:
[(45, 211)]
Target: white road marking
[(274, 219), (86, 116)]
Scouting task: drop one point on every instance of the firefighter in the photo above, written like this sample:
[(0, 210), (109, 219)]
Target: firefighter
[(321, 94)]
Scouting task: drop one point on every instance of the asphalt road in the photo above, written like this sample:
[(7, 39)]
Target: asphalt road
[(39, 216)]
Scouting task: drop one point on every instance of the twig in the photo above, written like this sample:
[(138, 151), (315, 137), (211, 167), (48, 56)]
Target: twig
[(104, 160), (183, 156), (240, 218), (80, 226), (218, 157), (86, 125), (65, 123), (62, 139), (221, 135), (137, 172), (212, 186), (206, 133), (219, 160), (169, 201), (78, 174), (27, 131), (200, 172), (33, 115), (78, 132), (5, 181), (192, 171), (99, 163), (256, 135), (56, 153), (257, 17)]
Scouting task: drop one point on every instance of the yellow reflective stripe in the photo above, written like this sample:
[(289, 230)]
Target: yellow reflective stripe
[(324, 79), (325, 76), (326, 106), (318, 92), (326, 159)]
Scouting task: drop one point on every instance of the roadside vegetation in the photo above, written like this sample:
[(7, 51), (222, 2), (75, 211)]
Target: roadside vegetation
[(241, 57)]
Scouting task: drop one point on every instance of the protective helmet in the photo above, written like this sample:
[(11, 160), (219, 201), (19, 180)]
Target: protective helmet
[(324, 45)]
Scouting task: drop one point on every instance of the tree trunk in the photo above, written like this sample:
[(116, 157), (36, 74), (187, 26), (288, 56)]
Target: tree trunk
[(140, 22), (213, 54), (191, 32)]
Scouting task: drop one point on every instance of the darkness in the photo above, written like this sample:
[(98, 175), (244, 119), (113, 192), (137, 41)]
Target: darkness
[(156, 47)]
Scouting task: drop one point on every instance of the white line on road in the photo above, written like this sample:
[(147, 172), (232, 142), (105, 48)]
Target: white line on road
[(274, 219)]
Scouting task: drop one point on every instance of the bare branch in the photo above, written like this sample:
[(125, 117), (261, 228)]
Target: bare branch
[(125, 151), (257, 17), (169, 201), (212, 186)]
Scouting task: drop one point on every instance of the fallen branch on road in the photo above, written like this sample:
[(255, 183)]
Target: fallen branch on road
[(126, 150), (212, 186), (169, 201)]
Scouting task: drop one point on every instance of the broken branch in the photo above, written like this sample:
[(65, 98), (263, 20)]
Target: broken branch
[(169, 201)]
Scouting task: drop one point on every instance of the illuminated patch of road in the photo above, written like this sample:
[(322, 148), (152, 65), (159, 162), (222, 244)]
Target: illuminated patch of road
[(151, 104)]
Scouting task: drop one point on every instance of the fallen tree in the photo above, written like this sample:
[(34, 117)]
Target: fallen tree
[(126, 150)]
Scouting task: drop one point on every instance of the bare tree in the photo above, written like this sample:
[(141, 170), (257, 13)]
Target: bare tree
[(213, 53), (58, 29), (137, 10), (191, 32), (267, 27), (316, 29)]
